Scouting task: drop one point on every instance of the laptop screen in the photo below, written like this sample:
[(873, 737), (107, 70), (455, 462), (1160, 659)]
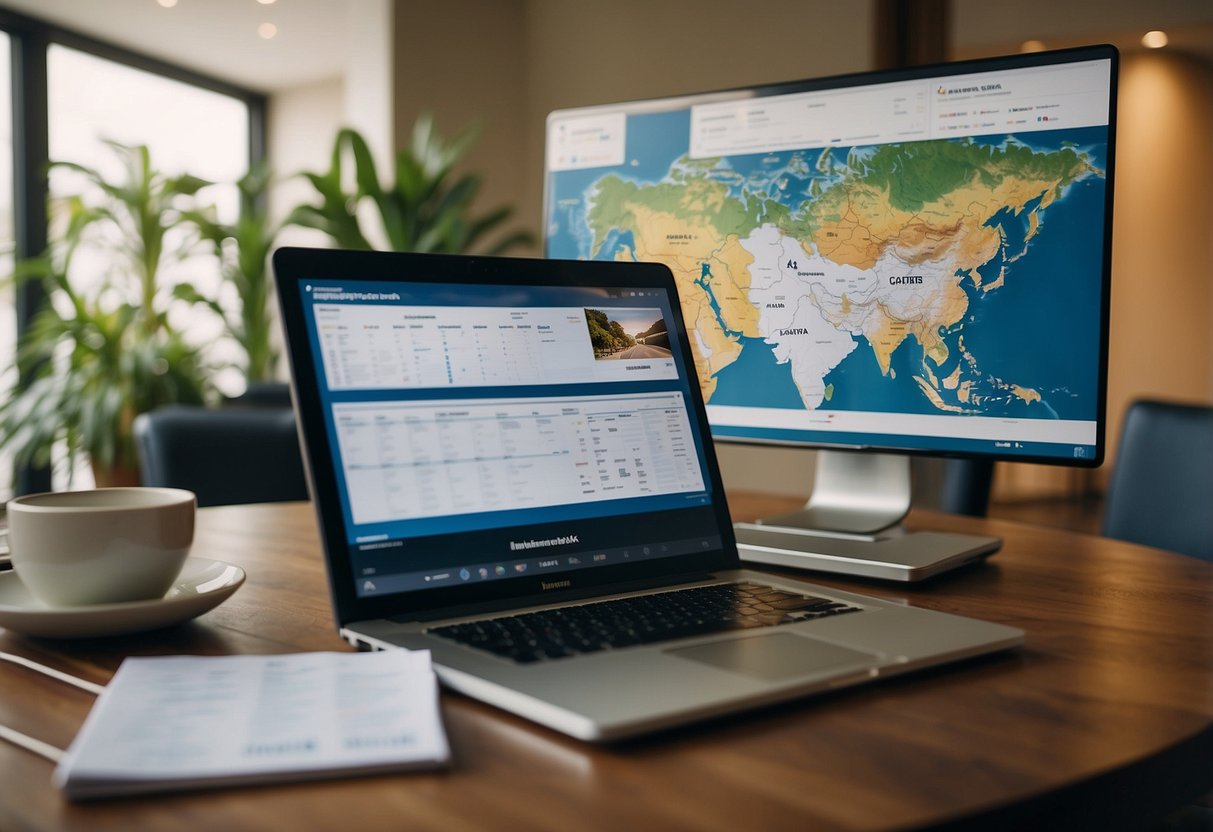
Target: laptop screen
[(484, 433)]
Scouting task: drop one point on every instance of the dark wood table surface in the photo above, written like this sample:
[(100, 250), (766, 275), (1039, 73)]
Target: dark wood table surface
[(1103, 720)]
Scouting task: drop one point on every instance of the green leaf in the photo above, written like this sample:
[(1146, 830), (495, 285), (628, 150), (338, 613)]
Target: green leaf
[(423, 210), (185, 184), (364, 165)]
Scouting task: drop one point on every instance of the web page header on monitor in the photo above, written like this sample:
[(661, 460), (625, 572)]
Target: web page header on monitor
[(1021, 100), (1004, 101)]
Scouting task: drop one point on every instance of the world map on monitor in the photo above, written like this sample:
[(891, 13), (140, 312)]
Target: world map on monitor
[(954, 276)]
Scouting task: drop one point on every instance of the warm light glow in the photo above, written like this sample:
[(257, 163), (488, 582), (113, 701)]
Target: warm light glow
[(1032, 46), (266, 2), (267, 30), (1154, 39), (168, 4)]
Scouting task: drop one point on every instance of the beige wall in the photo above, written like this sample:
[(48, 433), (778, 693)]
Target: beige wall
[(464, 61), (982, 23), (302, 123), (1162, 260), (368, 101)]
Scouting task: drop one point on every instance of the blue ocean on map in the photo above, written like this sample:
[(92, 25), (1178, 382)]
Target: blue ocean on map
[(1041, 329), (895, 393), (734, 382)]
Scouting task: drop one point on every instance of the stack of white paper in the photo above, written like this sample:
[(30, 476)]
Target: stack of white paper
[(186, 722)]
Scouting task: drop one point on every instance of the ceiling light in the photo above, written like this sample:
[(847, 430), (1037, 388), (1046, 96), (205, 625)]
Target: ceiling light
[(266, 2), (267, 30), (1154, 39), (1032, 46), (168, 4)]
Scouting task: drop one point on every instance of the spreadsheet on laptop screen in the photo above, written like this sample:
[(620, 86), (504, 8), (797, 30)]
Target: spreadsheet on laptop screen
[(487, 432)]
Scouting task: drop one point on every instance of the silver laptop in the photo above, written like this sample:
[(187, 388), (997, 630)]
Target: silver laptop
[(512, 469)]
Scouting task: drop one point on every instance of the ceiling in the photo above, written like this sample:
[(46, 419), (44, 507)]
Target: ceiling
[(217, 37)]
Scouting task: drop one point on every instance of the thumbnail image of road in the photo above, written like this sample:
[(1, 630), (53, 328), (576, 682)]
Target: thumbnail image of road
[(628, 333)]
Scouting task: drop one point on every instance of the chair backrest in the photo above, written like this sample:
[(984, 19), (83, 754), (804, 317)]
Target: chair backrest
[(224, 456), (957, 486), (1161, 489), (262, 394)]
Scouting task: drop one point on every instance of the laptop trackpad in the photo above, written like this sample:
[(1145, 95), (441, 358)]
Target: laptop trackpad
[(775, 656)]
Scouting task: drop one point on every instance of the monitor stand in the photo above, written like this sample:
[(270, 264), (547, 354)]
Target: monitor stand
[(851, 524)]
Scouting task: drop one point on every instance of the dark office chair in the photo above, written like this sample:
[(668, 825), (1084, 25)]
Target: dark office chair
[(225, 456), (1161, 491), (1160, 495), (262, 394), (957, 486)]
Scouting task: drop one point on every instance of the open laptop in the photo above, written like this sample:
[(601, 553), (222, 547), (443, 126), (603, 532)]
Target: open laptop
[(512, 468)]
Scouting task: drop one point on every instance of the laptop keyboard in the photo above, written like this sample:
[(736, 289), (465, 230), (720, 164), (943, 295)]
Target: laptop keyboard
[(644, 619)]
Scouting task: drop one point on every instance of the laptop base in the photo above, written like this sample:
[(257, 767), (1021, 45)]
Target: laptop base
[(615, 694)]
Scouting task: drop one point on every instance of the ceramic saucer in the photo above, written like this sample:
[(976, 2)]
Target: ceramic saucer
[(202, 585)]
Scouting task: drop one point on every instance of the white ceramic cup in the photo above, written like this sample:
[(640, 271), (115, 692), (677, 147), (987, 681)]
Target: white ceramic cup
[(80, 548)]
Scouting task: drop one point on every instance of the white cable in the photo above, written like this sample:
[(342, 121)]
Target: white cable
[(30, 744), (54, 674), (39, 747)]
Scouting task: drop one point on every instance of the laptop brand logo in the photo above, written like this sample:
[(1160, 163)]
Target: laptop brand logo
[(555, 585), (563, 540)]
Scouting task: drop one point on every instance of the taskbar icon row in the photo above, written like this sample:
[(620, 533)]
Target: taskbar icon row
[(377, 583)]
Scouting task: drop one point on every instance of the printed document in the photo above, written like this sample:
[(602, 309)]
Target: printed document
[(183, 722)]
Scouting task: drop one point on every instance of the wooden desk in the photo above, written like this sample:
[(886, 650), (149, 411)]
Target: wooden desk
[(1104, 719)]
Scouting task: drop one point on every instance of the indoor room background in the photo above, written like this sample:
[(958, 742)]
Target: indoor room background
[(377, 65)]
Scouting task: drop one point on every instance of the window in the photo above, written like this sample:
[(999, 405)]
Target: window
[(187, 128), (8, 305), (72, 92)]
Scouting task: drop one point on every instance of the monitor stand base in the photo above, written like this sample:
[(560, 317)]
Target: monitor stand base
[(894, 555), (851, 525)]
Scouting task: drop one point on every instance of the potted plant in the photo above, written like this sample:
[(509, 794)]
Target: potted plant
[(94, 358), (243, 250), (428, 207)]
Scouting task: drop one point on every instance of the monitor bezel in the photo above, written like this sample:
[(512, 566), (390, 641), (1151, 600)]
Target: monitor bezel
[(873, 77)]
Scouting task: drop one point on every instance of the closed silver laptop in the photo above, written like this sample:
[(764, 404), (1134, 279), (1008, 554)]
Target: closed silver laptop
[(512, 469)]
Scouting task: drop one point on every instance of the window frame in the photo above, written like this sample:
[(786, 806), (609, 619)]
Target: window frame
[(31, 39)]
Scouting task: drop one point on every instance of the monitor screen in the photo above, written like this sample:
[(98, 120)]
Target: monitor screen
[(913, 261)]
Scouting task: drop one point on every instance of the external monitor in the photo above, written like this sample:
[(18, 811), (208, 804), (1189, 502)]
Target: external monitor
[(878, 265)]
